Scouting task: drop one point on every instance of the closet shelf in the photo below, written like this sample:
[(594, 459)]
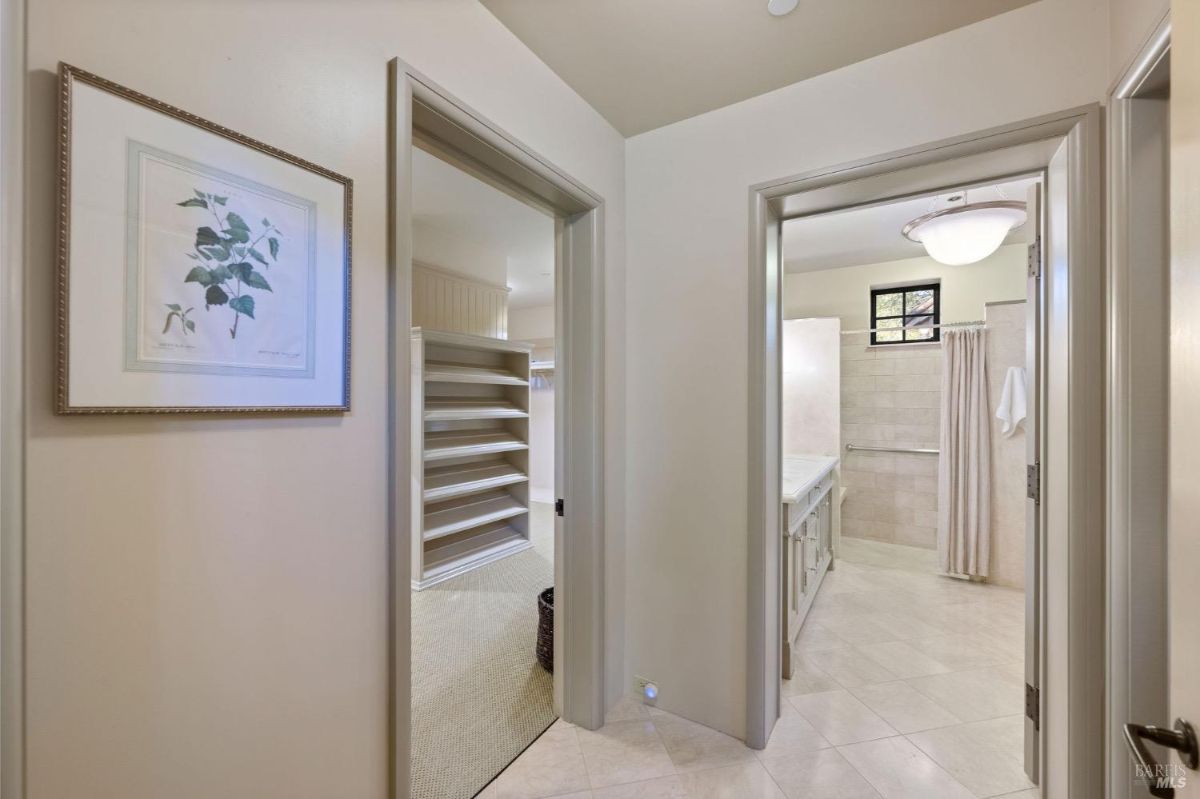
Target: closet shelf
[(458, 518), (461, 444), (441, 372), (470, 399), (453, 557), (472, 478), (450, 410)]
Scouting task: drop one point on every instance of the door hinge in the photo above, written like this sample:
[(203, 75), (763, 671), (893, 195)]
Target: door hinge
[(559, 507), (1035, 258), (1033, 703), (1033, 482)]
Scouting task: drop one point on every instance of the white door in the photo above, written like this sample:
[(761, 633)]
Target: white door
[(1183, 494)]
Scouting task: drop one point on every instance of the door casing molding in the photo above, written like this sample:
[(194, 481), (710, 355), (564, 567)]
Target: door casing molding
[(1072, 612), (425, 115), (1138, 306), (12, 399)]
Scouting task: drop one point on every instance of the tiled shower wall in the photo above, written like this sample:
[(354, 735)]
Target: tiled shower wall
[(890, 397)]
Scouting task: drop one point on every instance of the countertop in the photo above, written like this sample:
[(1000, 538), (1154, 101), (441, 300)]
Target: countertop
[(802, 472)]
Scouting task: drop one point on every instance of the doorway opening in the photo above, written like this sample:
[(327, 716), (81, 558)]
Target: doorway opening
[(483, 567), (496, 457), (905, 435), (1060, 698)]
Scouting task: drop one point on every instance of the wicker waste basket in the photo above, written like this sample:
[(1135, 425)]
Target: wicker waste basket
[(545, 635)]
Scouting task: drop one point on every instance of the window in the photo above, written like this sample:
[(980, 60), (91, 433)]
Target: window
[(904, 314)]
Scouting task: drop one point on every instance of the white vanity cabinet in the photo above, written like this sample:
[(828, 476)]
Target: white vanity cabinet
[(811, 523)]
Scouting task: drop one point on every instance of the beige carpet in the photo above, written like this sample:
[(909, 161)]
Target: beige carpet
[(478, 695)]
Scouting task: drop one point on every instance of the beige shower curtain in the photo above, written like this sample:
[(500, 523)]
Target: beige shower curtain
[(964, 465)]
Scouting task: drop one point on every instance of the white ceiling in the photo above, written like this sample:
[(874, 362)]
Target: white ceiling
[(462, 224), (647, 63), (872, 235)]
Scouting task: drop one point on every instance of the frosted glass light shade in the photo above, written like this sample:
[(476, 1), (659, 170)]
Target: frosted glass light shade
[(966, 234)]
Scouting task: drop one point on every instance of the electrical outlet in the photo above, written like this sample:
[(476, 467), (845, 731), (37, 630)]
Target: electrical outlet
[(640, 687)]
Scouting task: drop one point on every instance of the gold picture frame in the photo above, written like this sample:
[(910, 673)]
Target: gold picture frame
[(259, 376)]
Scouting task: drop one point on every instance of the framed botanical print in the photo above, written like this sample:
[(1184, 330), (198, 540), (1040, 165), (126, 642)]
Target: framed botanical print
[(199, 270)]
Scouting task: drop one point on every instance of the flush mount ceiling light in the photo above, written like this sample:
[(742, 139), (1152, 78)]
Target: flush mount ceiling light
[(967, 233), (779, 8)]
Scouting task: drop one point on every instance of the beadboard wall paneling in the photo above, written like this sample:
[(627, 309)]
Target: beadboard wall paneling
[(445, 300)]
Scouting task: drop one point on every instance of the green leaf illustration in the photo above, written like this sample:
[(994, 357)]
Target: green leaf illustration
[(266, 222), (241, 271), (192, 255), (199, 274), (206, 237), (200, 194), (215, 295), (257, 281), (167, 326), (175, 307), (192, 202), (237, 234), (220, 200), (236, 222), (274, 248), (243, 305), (221, 274), (258, 256), (218, 251), (190, 325)]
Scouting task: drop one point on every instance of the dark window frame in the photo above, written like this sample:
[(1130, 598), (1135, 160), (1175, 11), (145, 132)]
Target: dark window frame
[(904, 316)]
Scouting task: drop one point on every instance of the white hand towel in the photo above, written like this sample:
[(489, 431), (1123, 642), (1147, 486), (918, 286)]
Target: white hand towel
[(1011, 411)]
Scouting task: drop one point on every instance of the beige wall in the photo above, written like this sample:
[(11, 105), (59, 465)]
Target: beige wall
[(1130, 23), (687, 241), (1005, 348), (845, 292), (812, 375), (207, 606), (536, 325), (890, 398)]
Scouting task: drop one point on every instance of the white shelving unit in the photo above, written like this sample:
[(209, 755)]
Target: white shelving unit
[(470, 461)]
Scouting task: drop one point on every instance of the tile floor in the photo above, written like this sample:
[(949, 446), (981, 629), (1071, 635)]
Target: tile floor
[(909, 686)]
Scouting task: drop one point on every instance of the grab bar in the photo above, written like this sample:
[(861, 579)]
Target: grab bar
[(913, 450)]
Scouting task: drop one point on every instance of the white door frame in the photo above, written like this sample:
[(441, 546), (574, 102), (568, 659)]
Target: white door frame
[(422, 110), (1072, 708), (1138, 287), (12, 399)]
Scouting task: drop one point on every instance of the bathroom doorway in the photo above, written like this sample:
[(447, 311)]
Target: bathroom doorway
[(905, 388), (1064, 578)]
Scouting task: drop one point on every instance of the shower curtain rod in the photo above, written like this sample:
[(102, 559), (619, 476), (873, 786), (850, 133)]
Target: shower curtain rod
[(976, 323)]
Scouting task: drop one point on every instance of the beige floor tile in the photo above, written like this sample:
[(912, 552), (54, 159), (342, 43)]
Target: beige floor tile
[(964, 652), (1032, 793), (660, 788), (750, 781), (899, 770), (852, 627), (574, 795), (851, 667), (627, 708), (793, 733), (974, 695), (807, 677), (625, 751), (553, 765), (902, 659), (814, 637), (824, 774), (904, 707), (841, 718), (984, 756), (694, 747)]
